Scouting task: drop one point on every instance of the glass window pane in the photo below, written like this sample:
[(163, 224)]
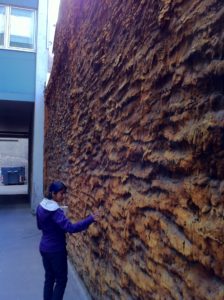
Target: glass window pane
[(2, 25), (22, 28)]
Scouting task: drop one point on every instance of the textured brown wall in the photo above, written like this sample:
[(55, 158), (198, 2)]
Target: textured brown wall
[(135, 125)]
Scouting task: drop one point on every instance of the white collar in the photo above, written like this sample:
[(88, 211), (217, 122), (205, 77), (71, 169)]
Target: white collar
[(49, 204)]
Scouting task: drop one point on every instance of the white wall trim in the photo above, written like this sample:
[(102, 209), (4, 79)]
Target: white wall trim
[(38, 131)]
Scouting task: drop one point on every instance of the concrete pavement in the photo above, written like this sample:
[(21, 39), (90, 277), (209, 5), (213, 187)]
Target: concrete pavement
[(13, 189), (21, 270), (21, 189)]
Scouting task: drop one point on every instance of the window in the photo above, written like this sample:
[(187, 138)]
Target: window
[(2, 25), (17, 28)]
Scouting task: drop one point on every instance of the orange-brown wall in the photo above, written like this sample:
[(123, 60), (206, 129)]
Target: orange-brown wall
[(135, 126)]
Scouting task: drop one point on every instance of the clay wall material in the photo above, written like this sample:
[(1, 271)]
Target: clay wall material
[(135, 125)]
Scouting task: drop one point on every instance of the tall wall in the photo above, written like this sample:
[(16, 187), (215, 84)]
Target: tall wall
[(36, 186), (135, 126)]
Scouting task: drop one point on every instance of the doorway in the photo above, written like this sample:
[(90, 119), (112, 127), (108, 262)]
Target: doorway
[(14, 166)]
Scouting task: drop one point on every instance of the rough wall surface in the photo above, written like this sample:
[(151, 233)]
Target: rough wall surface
[(135, 125)]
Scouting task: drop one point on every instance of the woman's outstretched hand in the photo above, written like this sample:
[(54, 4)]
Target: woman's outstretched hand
[(97, 215)]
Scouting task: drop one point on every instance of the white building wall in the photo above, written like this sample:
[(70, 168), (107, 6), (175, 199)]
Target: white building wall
[(38, 134)]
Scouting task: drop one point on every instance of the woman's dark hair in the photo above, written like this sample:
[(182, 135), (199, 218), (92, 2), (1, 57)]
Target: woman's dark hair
[(56, 187)]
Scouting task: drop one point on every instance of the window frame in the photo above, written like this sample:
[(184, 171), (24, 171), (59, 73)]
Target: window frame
[(6, 46), (5, 26)]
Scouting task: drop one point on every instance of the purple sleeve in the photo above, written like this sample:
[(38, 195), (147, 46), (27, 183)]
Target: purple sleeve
[(37, 218), (65, 224)]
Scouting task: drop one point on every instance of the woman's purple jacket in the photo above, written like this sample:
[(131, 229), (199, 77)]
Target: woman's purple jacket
[(54, 224)]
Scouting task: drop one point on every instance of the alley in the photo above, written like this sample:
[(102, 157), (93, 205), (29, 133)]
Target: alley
[(21, 272)]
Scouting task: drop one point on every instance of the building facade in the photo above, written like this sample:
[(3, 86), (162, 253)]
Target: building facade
[(23, 71)]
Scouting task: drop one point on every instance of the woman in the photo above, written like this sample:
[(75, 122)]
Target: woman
[(54, 224)]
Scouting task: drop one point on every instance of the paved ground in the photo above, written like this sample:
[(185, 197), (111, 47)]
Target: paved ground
[(21, 271), (13, 189)]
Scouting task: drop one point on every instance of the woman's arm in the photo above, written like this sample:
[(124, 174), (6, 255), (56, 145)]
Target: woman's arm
[(64, 223)]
